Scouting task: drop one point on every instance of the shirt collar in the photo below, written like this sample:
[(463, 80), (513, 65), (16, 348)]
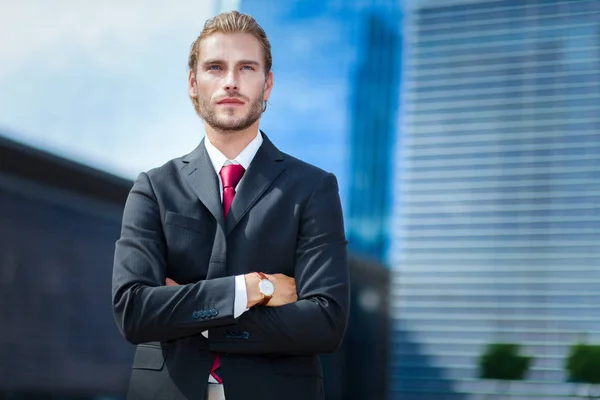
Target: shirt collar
[(218, 159)]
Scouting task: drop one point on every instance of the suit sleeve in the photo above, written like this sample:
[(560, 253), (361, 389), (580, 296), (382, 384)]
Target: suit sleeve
[(144, 308), (317, 321)]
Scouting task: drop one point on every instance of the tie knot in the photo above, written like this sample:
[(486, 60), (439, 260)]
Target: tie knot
[(231, 175)]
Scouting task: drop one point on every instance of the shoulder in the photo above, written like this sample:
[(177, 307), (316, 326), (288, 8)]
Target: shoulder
[(303, 167), (169, 171), (308, 174), (304, 175)]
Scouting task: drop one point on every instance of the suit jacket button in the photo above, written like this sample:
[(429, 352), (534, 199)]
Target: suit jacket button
[(195, 315), (213, 312), (246, 335), (202, 314)]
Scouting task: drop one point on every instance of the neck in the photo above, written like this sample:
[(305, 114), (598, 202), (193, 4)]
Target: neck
[(231, 143)]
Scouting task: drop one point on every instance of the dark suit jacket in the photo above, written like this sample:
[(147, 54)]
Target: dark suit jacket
[(286, 218)]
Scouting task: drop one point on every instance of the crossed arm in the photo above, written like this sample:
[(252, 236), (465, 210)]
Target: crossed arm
[(147, 309)]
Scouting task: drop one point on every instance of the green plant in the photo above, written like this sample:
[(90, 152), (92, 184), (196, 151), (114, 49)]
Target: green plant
[(502, 362), (583, 366)]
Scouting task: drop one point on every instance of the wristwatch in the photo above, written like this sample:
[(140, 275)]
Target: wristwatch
[(266, 288)]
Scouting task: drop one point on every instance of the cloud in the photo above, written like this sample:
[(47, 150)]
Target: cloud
[(42, 33), (101, 82), (172, 134)]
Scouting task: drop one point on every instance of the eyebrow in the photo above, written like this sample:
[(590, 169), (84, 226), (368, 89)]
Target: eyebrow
[(241, 62)]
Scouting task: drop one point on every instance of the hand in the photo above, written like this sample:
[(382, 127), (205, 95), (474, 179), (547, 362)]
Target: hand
[(285, 290), (171, 282)]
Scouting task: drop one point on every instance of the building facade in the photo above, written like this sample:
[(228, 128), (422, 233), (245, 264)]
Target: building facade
[(59, 221), (499, 182)]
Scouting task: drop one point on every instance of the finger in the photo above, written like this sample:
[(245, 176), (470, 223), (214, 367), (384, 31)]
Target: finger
[(171, 282)]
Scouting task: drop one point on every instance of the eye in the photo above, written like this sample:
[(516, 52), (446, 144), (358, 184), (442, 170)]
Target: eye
[(213, 67), (249, 67)]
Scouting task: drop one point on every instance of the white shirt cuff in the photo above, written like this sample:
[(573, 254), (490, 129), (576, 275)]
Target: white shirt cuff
[(240, 301)]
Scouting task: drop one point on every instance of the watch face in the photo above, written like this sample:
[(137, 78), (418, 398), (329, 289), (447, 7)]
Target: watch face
[(266, 287)]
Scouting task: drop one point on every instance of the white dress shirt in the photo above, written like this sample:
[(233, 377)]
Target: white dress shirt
[(218, 161)]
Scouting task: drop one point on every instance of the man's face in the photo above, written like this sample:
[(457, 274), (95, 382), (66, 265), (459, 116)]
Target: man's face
[(230, 81)]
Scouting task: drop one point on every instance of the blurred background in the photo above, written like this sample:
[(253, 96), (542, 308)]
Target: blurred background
[(465, 135)]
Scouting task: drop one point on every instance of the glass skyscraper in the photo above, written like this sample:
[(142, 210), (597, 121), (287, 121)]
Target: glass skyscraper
[(372, 137), (497, 236)]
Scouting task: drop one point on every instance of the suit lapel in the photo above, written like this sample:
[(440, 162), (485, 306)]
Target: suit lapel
[(263, 170), (201, 176)]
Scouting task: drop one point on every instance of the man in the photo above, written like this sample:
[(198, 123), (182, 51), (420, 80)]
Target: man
[(230, 274)]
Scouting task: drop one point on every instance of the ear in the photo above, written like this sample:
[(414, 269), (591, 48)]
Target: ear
[(192, 86), (268, 86)]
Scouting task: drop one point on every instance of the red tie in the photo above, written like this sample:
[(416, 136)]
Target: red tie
[(230, 175)]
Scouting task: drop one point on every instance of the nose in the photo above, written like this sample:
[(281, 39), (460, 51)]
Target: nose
[(231, 81)]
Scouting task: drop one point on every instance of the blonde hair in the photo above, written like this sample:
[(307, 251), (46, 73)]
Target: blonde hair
[(230, 22)]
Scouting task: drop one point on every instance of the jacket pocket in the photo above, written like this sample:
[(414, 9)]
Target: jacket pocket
[(186, 222), (149, 357)]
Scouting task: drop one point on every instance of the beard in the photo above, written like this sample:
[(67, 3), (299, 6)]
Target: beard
[(230, 123)]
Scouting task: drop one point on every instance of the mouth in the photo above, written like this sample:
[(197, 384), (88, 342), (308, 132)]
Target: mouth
[(231, 102)]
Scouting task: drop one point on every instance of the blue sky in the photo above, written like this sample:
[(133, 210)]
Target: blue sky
[(104, 83)]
